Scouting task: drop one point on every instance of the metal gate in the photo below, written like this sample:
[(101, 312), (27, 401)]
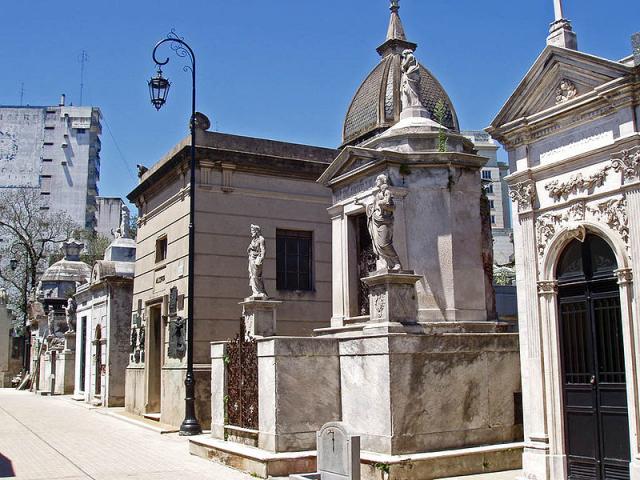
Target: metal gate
[(595, 400), (242, 381)]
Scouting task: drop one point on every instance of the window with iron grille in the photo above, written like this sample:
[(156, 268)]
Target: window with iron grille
[(486, 174), (294, 254)]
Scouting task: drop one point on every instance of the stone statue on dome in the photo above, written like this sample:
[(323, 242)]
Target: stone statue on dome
[(410, 86)]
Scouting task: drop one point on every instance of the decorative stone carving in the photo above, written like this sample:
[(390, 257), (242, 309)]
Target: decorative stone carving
[(547, 287), (4, 298), (625, 276), (565, 91), (628, 163), (380, 224), (133, 341), (177, 346), (524, 194), (256, 252), (614, 214), (410, 86), (577, 183)]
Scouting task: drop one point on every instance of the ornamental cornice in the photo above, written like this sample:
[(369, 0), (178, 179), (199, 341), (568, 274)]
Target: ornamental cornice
[(577, 183), (523, 194)]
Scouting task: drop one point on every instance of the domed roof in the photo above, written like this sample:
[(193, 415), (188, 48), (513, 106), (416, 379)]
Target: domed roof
[(376, 105), (70, 268)]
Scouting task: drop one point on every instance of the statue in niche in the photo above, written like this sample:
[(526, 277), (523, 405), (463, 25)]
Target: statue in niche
[(256, 252), (380, 224), (410, 86), (4, 298), (70, 314)]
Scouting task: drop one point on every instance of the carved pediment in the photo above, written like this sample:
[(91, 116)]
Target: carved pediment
[(558, 76)]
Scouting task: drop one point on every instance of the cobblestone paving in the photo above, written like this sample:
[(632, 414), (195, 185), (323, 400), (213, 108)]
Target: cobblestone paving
[(56, 438)]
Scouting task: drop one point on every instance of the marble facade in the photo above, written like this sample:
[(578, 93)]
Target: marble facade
[(572, 136)]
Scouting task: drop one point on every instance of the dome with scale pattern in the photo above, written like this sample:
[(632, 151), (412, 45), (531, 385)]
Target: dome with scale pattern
[(376, 105)]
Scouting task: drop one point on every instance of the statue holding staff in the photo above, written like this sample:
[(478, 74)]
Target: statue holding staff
[(256, 252)]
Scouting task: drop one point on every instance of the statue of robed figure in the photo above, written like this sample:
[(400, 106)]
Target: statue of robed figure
[(380, 224), (256, 252), (410, 85)]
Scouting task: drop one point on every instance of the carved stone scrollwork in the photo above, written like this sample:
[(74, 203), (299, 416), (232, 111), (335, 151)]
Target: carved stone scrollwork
[(524, 194), (576, 184), (548, 287), (614, 214), (565, 91), (625, 276), (628, 163)]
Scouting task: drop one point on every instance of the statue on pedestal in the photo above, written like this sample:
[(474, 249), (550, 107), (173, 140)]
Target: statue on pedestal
[(410, 86), (256, 252), (70, 314), (380, 224)]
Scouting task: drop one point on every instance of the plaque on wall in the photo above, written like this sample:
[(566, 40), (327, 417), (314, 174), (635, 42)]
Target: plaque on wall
[(173, 301), (177, 345)]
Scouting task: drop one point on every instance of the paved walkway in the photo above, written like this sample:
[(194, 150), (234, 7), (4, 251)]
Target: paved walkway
[(56, 438)]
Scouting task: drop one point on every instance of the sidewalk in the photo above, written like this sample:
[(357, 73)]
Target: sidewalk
[(54, 438)]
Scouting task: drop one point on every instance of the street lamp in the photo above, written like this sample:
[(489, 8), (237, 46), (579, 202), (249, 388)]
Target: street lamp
[(158, 89)]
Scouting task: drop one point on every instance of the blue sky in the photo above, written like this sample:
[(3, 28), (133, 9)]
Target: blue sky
[(284, 70)]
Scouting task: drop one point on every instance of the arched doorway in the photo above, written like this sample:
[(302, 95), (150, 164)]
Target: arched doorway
[(596, 422)]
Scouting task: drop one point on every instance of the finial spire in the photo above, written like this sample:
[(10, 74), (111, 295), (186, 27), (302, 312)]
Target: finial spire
[(395, 30), (561, 34), (396, 40)]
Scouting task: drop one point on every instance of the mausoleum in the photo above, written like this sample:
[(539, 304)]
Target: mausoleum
[(572, 134), (412, 359)]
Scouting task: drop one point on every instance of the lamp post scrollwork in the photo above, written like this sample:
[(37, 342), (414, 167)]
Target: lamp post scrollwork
[(158, 90)]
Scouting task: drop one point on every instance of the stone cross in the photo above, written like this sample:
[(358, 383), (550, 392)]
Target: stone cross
[(557, 7)]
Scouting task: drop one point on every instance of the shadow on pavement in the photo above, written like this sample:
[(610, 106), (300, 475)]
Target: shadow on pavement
[(6, 467)]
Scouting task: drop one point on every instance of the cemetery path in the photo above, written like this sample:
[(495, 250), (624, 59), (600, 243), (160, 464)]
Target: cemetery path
[(56, 438)]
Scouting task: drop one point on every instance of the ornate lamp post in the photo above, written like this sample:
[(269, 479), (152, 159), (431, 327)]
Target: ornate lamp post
[(158, 89)]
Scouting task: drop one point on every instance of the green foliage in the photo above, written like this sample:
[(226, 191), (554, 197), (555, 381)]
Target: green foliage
[(404, 169), (440, 112), (383, 467)]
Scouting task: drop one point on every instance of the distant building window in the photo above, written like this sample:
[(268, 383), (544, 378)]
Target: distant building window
[(489, 188), (47, 159), (493, 219), (81, 130), (486, 174), (161, 249), (45, 193), (492, 204), (293, 260)]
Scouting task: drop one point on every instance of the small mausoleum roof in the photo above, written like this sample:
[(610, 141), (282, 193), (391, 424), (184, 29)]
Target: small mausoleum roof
[(376, 105), (70, 268)]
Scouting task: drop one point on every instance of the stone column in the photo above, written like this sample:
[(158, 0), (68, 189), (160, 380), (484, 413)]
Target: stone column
[(548, 293), (218, 389), (259, 316), (631, 290), (338, 276), (523, 195)]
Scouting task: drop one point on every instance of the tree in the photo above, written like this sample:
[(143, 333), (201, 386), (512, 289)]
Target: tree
[(29, 233), (94, 246)]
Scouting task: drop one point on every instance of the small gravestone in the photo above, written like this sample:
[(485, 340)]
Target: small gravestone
[(338, 454)]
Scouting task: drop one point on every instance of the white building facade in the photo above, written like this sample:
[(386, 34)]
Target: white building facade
[(56, 150), (571, 131)]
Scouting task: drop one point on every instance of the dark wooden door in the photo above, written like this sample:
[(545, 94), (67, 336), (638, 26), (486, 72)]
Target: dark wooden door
[(595, 401)]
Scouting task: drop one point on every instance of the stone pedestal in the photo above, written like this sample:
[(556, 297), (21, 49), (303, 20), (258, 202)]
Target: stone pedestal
[(259, 316), (393, 305), (69, 342)]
